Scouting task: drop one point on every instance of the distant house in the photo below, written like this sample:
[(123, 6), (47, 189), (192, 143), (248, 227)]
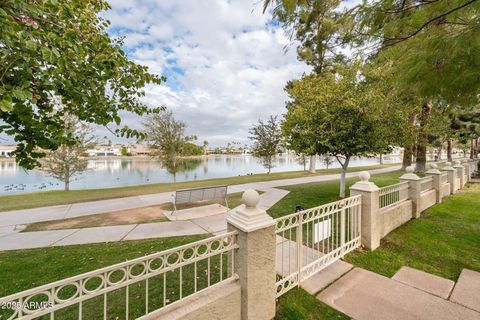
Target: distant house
[(106, 151), (7, 151), (141, 150)]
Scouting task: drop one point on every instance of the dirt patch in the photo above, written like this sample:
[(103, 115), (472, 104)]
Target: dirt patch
[(122, 217)]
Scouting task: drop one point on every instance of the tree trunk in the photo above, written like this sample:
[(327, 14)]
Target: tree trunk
[(407, 157), (381, 158), (439, 154), (472, 147), (449, 150), (476, 149), (313, 160), (343, 177), (421, 160), (408, 151), (67, 178)]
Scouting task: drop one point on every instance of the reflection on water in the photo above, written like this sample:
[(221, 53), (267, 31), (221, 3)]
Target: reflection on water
[(128, 172)]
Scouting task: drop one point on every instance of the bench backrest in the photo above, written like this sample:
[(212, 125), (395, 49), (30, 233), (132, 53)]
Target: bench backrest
[(200, 194)]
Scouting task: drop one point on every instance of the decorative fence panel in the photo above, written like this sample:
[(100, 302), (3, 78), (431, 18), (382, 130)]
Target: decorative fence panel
[(129, 289), (393, 194), (310, 240), (426, 184)]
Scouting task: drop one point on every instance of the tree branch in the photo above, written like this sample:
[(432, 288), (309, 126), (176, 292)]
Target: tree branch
[(392, 41)]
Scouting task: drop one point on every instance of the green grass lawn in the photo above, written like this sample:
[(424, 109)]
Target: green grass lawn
[(443, 241), (25, 269), (50, 198), (314, 194), (297, 304)]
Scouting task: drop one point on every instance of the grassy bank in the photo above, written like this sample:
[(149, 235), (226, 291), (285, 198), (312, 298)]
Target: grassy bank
[(50, 198)]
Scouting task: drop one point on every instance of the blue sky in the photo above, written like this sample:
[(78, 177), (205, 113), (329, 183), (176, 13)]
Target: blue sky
[(225, 61)]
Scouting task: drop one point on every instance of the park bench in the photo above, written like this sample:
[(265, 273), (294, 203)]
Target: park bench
[(188, 196)]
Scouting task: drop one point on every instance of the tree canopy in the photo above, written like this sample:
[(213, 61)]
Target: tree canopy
[(59, 51), (267, 139), (338, 114)]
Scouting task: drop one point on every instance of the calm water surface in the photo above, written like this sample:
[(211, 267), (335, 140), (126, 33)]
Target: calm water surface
[(110, 173)]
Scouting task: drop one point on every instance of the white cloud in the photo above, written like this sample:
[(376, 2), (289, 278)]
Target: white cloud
[(226, 66)]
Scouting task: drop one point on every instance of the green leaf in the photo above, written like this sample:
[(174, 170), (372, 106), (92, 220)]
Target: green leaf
[(31, 45), (5, 105)]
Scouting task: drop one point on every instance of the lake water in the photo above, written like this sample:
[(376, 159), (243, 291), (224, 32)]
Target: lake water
[(123, 172)]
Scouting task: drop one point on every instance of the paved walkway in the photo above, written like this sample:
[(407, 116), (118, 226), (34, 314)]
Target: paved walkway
[(409, 295), (12, 239), (215, 224)]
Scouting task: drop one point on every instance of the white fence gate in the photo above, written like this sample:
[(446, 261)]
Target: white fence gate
[(310, 240)]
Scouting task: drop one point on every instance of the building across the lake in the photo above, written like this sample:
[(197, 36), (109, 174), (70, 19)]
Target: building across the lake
[(115, 150), (140, 150), (102, 150), (7, 151)]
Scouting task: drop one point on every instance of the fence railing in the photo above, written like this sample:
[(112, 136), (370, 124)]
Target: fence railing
[(444, 178), (310, 240), (426, 184), (130, 289), (393, 194)]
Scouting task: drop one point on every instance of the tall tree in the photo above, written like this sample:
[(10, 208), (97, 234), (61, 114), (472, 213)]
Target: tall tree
[(205, 147), (167, 137), (69, 160), (343, 116), (429, 47), (267, 140), (62, 49), (316, 25)]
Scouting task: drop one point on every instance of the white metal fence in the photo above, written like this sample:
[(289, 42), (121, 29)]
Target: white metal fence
[(129, 289), (426, 184), (310, 240), (393, 194)]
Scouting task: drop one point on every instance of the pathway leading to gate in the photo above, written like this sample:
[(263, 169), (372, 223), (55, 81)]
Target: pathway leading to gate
[(409, 295), (12, 239)]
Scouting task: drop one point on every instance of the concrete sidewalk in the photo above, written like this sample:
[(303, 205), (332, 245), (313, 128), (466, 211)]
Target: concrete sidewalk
[(214, 224), (364, 295)]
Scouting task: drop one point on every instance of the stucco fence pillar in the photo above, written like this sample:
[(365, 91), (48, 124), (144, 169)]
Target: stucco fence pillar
[(255, 259), (370, 220), (468, 171), (437, 181), (460, 173), (452, 175), (414, 190)]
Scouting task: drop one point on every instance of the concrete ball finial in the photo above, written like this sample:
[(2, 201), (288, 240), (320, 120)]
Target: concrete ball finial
[(409, 169), (458, 162), (448, 164), (434, 166), (250, 198), (364, 176)]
